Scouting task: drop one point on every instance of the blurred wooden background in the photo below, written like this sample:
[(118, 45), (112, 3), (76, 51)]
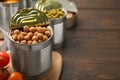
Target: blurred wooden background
[(92, 48)]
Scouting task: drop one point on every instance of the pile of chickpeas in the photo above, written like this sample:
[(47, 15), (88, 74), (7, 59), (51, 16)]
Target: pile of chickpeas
[(54, 13), (30, 34)]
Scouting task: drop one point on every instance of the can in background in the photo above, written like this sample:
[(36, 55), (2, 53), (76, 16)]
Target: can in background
[(58, 26), (3, 41), (26, 3)]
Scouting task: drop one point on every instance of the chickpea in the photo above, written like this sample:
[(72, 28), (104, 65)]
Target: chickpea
[(23, 42), (29, 42), (36, 33), (39, 41), (45, 29), (40, 30), (26, 37), (34, 42), (45, 37), (48, 33), (34, 38), (14, 37), (26, 28), (30, 34), (37, 26), (23, 33), (20, 37), (32, 29), (40, 36), (16, 32)]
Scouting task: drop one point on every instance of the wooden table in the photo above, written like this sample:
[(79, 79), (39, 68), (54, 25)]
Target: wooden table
[(92, 48)]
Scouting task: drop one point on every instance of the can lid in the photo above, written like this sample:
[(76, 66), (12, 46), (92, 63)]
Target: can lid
[(28, 16), (45, 5)]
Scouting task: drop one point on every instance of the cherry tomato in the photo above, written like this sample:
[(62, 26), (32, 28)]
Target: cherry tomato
[(15, 76), (4, 74), (4, 59)]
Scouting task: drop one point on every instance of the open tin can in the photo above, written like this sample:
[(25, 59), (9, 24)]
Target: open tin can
[(31, 59), (58, 26), (57, 17), (72, 13)]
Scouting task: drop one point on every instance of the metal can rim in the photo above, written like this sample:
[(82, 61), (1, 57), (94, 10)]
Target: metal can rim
[(41, 45)]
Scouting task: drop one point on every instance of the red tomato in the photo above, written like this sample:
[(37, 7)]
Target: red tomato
[(4, 59), (15, 76), (4, 74)]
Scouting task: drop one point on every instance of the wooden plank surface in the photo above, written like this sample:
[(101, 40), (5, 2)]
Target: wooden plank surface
[(98, 4), (55, 70), (99, 19), (89, 55), (92, 48)]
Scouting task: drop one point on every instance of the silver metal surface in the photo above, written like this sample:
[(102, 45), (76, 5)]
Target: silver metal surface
[(31, 60), (26, 3), (6, 11), (69, 5), (58, 26), (3, 46)]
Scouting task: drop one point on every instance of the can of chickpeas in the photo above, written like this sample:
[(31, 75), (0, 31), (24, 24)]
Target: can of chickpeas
[(30, 43), (31, 55)]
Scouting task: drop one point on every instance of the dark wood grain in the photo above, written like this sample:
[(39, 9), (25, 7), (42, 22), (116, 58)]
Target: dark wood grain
[(98, 4), (99, 19), (92, 48)]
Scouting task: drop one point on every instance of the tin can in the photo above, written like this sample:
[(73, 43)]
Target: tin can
[(3, 41), (6, 11), (31, 59), (26, 3), (58, 26), (70, 7)]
